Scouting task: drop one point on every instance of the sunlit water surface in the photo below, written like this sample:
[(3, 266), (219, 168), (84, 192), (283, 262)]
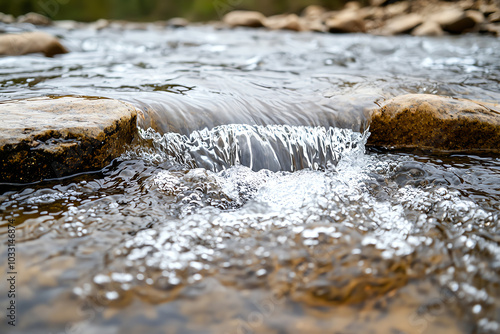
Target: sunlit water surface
[(248, 202)]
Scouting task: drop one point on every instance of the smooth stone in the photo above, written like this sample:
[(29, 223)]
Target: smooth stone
[(244, 19), (100, 24), (313, 12), (346, 21), (7, 18), (456, 22), (436, 122), (34, 18), (44, 138), (397, 9), (30, 42), (177, 22), (312, 25), (493, 29), (494, 18), (284, 22), (68, 24), (428, 28), (402, 24)]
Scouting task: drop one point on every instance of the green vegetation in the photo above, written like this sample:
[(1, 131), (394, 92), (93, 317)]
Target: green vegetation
[(151, 10)]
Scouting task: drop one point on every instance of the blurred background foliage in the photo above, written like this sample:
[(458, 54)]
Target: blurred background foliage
[(151, 10)]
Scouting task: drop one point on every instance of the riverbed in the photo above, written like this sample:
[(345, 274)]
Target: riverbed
[(249, 201)]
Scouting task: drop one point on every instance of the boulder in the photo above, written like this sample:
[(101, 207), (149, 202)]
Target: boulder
[(446, 16), (30, 42), (284, 21), (43, 138), (34, 18), (428, 28), (244, 19), (402, 24), (436, 122), (456, 22), (345, 22)]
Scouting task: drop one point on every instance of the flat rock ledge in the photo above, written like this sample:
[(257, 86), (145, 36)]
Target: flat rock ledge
[(436, 122), (44, 138)]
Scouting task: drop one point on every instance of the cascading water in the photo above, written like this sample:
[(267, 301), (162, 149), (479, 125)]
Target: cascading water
[(249, 202), (274, 147)]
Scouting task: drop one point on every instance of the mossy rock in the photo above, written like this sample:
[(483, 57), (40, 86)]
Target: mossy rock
[(43, 138)]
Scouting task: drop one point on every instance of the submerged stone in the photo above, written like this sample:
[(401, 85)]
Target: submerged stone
[(44, 138), (436, 122)]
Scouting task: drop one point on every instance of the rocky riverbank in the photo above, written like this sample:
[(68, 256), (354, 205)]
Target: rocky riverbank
[(381, 17), (417, 17)]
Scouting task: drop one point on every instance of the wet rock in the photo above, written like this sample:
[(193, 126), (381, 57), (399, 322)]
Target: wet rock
[(6, 18), (402, 24), (428, 28), (244, 19), (30, 42), (68, 24), (135, 26), (34, 18), (436, 122), (43, 138), (177, 22), (100, 24), (285, 21), (345, 22)]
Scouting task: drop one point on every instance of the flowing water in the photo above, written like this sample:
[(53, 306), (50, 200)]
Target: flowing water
[(249, 202)]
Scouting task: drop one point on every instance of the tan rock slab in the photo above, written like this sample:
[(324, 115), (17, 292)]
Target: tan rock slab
[(43, 138), (244, 18), (347, 21), (35, 18), (428, 28), (402, 24), (436, 122), (285, 21)]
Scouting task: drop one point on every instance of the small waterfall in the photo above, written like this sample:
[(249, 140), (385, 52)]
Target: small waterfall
[(271, 147)]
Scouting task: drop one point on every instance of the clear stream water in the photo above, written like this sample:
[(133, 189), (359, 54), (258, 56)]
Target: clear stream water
[(249, 202)]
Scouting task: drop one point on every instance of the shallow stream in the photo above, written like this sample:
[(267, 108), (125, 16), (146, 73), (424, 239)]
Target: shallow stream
[(248, 202)]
